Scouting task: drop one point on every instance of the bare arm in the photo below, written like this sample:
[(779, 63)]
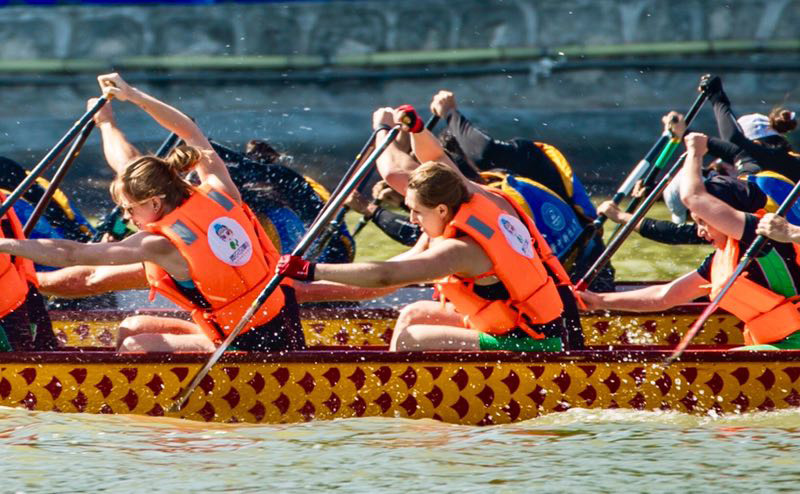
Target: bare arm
[(394, 165), (137, 248), (653, 298), (439, 260), (116, 148), (697, 199), (83, 281), (211, 168)]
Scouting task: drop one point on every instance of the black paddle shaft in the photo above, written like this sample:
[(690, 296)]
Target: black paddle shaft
[(55, 183), (316, 228), (42, 166), (617, 241)]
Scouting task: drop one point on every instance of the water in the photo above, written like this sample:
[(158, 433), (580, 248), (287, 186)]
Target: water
[(574, 451)]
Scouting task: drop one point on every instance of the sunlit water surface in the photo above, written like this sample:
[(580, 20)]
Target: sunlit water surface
[(574, 451)]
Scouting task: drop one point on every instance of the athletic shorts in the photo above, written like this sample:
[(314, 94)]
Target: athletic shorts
[(282, 333), (518, 340)]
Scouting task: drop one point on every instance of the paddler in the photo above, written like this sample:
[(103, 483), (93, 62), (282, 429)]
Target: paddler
[(496, 277), (24, 322), (201, 246), (763, 297)]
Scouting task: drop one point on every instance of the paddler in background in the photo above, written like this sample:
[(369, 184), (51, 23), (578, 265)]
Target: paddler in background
[(762, 297), (201, 246), (497, 278)]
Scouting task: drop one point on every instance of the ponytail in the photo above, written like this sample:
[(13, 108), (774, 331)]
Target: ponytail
[(782, 120), (151, 176)]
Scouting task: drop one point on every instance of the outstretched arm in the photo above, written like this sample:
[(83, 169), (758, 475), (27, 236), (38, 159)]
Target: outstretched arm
[(116, 147), (137, 248), (210, 168), (84, 281), (653, 298)]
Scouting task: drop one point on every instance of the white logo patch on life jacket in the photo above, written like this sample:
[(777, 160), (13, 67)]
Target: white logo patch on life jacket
[(553, 217), (516, 234), (229, 242)]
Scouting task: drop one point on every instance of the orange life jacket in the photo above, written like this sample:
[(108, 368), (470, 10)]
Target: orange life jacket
[(768, 316), (518, 253), (14, 274), (230, 260)]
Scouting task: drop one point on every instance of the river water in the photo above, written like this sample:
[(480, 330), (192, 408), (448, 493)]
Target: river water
[(574, 451)]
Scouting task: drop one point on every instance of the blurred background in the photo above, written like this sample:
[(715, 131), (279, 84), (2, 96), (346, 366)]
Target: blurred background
[(591, 77)]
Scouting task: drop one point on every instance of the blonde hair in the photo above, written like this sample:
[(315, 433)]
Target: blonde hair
[(151, 176), (436, 183)]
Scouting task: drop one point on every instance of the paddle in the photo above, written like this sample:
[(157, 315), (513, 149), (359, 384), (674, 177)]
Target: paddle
[(42, 166), (364, 221), (335, 225), (647, 170), (110, 220), (748, 256), (617, 241), (55, 183), (326, 215)]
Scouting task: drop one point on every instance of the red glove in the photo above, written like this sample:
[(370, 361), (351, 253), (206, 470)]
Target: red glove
[(296, 267), (411, 119)]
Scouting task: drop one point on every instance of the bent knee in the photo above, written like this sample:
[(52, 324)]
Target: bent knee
[(407, 338), (415, 313)]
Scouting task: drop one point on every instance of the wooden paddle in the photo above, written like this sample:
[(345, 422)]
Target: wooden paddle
[(326, 215), (55, 183), (42, 166), (748, 256), (107, 223), (617, 241)]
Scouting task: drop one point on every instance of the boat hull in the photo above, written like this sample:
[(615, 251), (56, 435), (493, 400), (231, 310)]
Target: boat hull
[(460, 388)]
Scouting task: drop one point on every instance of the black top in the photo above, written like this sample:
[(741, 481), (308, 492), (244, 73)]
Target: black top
[(770, 153), (520, 156), (668, 232)]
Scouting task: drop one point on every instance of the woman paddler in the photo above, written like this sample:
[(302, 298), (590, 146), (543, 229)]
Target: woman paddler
[(201, 246), (763, 297), (497, 277)]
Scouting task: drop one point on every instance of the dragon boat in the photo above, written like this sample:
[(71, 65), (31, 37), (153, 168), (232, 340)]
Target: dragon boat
[(349, 372)]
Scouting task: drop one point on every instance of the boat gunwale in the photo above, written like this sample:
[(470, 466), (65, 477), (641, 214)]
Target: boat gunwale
[(380, 354)]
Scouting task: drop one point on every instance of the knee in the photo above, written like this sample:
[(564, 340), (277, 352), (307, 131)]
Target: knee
[(130, 344), (405, 339), (412, 314), (130, 326)]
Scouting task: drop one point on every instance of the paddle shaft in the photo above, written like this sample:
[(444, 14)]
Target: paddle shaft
[(42, 166), (108, 221), (316, 228), (617, 241), (365, 219), (748, 256), (55, 183), (652, 175)]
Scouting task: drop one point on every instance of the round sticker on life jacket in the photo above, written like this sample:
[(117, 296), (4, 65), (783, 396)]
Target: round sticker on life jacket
[(516, 234), (229, 242), (552, 217)]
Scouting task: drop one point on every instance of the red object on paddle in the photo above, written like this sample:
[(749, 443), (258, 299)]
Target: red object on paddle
[(411, 119), (296, 267)]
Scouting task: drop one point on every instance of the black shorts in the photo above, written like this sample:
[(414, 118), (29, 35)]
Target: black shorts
[(28, 328), (282, 333)]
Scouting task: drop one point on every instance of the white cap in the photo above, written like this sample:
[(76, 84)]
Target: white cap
[(756, 126), (672, 198)]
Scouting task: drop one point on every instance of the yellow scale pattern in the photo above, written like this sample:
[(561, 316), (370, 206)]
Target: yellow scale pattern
[(598, 330), (475, 393)]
